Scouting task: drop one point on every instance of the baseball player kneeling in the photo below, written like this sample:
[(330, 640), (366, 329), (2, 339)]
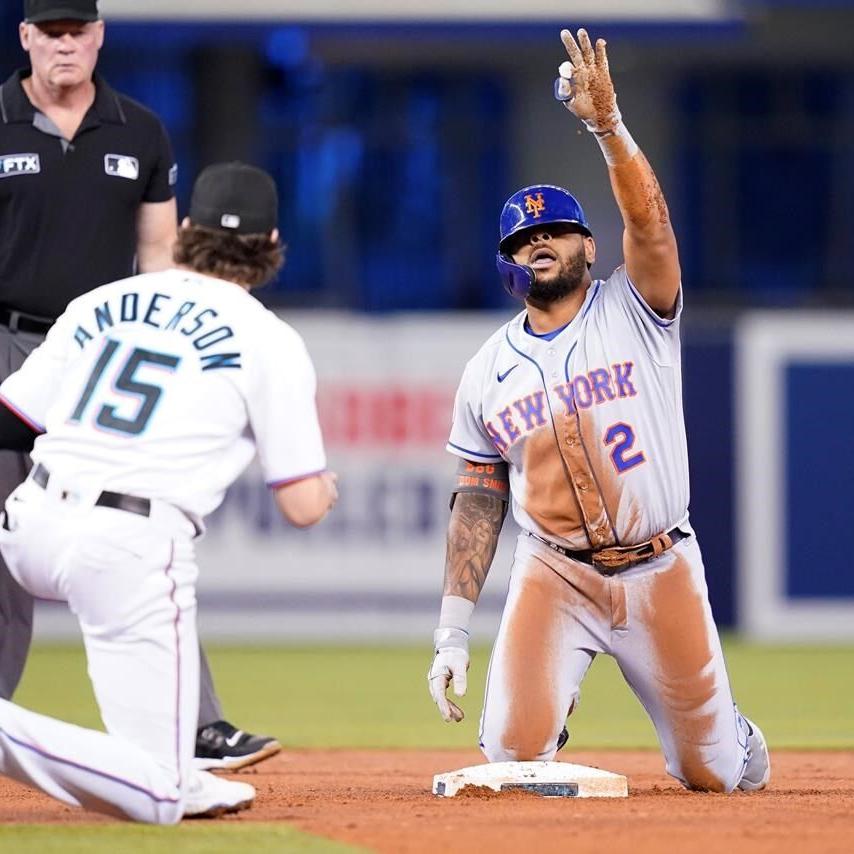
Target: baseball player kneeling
[(572, 411), (150, 396)]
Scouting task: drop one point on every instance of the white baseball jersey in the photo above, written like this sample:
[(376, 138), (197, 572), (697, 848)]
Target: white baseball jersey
[(164, 385), (589, 420)]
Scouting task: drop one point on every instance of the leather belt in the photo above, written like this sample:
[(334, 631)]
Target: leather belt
[(19, 321), (117, 500), (617, 558)]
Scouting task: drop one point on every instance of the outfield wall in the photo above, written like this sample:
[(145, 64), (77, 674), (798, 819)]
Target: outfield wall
[(373, 569), (795, 386)]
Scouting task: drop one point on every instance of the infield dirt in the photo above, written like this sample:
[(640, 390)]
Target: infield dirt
[(382, 800)]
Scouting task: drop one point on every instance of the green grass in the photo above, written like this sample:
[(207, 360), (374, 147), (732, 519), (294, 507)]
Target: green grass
[(188, 838), (377, 696)]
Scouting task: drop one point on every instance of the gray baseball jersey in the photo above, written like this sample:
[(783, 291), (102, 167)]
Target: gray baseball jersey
[(589, 420)]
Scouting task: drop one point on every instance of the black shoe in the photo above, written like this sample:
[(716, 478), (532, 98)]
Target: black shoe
[(563, 738), (222, 746)]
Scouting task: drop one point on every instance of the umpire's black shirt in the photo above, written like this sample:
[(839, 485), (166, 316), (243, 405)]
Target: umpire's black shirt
[(68, 208)]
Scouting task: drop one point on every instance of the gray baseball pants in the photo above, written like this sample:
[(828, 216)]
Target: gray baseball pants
[(654, 619), (16, 605)]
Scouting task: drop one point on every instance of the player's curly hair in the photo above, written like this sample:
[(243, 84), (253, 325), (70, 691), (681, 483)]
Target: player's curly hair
[(248, 259)]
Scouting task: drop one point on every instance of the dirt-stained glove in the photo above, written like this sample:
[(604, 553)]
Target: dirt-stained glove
[(584, 85), (449, 665), (585, 89)]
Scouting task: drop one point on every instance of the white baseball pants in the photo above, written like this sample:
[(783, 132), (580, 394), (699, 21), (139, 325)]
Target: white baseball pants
[(130, 580), (654, 619)]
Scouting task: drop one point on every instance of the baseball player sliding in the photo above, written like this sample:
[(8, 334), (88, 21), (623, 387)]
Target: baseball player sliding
[(150, 396), (573, 410)]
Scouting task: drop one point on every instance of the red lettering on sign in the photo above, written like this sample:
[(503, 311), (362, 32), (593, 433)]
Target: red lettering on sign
[(386, 416)]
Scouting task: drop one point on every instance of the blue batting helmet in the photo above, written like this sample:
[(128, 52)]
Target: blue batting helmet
[(530, 207)]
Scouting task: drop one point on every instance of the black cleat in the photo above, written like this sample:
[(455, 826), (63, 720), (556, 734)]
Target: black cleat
[(563, 738), (221, 746)]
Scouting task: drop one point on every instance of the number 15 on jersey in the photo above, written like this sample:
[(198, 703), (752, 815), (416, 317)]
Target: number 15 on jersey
[(145, 395)]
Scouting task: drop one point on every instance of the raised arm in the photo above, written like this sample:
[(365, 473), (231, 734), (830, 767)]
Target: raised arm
[(649, 245), (479, 505)]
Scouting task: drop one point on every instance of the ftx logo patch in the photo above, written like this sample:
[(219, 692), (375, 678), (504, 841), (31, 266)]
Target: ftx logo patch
[(19, 164), (121, 166)]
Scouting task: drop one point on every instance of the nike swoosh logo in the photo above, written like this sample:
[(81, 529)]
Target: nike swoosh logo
[(232, 740), (501, 377)]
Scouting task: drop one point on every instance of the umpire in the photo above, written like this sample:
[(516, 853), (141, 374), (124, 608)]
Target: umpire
[(86, 198)]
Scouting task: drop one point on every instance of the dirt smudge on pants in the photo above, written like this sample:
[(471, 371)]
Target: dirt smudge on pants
[(532, 652), (679, 629), (619, 607)]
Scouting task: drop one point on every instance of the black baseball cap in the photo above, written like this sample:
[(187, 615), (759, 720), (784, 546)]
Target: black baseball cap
[(235, 198), (39, 11)]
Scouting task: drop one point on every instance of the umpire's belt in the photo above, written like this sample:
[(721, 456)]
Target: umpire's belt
[(616, 558), (19, 321), (116, 500)]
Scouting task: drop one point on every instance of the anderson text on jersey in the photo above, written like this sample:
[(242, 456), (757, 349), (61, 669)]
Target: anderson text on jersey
[(160, 311)]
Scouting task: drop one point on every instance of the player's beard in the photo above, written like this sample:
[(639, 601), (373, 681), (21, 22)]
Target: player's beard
[(569, 278)]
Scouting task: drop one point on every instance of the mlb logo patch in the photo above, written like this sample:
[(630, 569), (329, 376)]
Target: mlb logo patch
[(121, 166), (19, 164)]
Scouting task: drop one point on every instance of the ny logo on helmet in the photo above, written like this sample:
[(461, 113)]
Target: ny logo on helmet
[(535, 205)]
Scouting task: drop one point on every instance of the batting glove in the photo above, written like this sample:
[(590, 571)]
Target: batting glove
[(584, 83), (450, 664)]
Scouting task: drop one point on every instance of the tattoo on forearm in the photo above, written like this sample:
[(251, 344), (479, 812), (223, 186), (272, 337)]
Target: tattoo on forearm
[(656, 198), (473, 531)]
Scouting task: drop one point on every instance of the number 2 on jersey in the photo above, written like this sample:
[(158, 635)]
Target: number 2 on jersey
[(147, 394), (624, 436)]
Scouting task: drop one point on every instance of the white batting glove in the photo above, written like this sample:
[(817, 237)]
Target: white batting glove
[(449, 665)]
